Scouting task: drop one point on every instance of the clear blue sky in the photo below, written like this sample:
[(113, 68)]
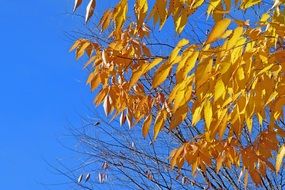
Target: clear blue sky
[(42, 90)]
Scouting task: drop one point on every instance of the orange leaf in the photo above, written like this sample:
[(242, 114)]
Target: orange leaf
[(159, 122), (220, 160), (106, 19), (141, 70), (179, 116), (146, 125)]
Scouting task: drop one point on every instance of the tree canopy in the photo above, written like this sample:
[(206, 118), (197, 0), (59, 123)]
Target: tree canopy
[(220, 88)]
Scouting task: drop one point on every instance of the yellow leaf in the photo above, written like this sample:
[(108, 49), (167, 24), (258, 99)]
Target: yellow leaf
[(176, 50), (226, 34), (212, 6), (189, 65), (279, 158), (222, 123), (159, 122), (219, 89), (204, 72), (208, 114), (80, 50), (137, 74), (271, 97), (183, 93), (235, 37), (120, 13), (101, 95), (90, 10), (248, 3), (265, 17), (240, 73), (180, 67), (141, 7), (248, 121), (161, 74), (175, 155), (77, 44), (77, 3), (146, 125), (225, 67), (265, 69), (182, 21), (152, 64), (106, 19), (218, 30), (196, 115), (144, 68), (178, 116)]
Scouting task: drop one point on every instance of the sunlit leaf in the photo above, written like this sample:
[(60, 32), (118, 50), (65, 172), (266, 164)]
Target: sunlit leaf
[(90, 9), (77, 3), (218, 30), (279, 158), (146, 125)]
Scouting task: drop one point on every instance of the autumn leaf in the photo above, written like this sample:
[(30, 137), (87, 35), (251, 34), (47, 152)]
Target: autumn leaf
[(208, 114), (159, 122), (141, 8), (90, 10), (219, 89), (178, 116), (119, 13), (279, 158), (146, 125), (206, 96), (196, 115), (176, 50), (218, 30), (122, 118), (249, 3), (143, 69), (106, 19), (77, 3), (220, 160), (161, 74), (107, 105)]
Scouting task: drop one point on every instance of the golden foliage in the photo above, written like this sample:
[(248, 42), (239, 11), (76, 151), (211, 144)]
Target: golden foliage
[(223, 83)]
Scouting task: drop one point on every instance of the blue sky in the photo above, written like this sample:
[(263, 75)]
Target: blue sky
[(42, 91)]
